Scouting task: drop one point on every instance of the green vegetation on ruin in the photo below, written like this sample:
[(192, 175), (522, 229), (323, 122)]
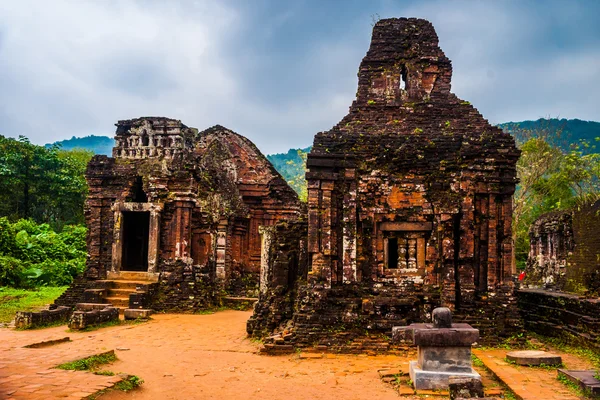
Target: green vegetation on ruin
[(13, 300)]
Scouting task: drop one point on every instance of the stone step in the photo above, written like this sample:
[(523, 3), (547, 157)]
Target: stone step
[(118, 301), (125, 292), (133, 276), (131, 285)]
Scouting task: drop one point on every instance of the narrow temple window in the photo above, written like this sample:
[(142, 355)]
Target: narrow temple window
[(392, 253), (403, 79), (145, 140), (405, 251), (139, 196)]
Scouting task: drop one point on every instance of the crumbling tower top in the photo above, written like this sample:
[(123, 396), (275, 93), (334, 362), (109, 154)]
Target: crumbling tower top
[(151, 137), (404, 63)]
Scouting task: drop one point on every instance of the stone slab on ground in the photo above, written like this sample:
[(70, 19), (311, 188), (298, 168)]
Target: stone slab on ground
[(533, 357), (585, 379)]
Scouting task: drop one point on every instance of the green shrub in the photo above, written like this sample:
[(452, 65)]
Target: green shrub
[(12, 272), (35, 255)]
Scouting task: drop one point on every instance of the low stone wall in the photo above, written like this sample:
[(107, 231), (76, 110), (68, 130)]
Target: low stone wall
[(27, 320), (561, 315), (184, 288), (92, 314), (496, 315)]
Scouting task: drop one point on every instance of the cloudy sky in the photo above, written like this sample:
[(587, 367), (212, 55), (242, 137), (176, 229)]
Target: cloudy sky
[(275, 71)]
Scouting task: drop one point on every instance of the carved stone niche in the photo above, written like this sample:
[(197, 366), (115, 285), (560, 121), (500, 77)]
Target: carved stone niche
[(404, 246), (136, 238)]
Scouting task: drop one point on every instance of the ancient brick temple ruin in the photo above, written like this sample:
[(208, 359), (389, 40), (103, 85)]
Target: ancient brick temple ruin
[(564, 251), (559, 295), (409, 208), (173, 217)]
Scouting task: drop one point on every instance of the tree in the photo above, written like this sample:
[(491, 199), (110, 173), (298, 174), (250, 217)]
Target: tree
[(550, 179), (298, 180), (45, 184)]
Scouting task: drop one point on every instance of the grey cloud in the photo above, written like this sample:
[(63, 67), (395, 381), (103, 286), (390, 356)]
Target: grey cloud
[(275, 73)]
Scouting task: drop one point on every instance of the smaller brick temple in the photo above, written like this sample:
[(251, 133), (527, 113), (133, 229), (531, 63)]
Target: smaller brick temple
[(409, 208), (173, 217), (559, 295), (564, 251)]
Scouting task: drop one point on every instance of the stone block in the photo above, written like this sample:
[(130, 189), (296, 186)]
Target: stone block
[(82, 319), (94, 295), (436, 380), (91, 306), (27, 319), (446, 359), (458, 335), (467, 388), (585, 379), (136, 313)]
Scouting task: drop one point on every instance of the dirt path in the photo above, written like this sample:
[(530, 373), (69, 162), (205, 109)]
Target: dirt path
[(532, 383), (209, 357)]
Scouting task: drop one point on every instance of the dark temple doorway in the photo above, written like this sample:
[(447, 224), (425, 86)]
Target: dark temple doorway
[(136, 229)]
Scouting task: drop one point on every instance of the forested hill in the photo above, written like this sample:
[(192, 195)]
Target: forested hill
[(292, 166), (287, 163), (571, 130), (96, 144)]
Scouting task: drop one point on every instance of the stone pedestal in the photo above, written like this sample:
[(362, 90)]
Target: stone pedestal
[(444, 351)]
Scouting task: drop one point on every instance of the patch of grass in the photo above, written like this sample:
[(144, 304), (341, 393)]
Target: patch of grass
[(256, 340), (574, 387), (211, 310), (476, 361), (13, 300), (105, 373), (130, 383), (89, 363), (509, 394)]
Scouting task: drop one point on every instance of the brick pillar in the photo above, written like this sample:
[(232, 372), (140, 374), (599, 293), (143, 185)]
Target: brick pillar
[(266, 236), (221, 250), (154, 239), (183, 228), (349, 228), (117, 245)]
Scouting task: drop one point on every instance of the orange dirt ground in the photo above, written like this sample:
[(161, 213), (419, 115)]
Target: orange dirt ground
[(209, 357), (205, 357)]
